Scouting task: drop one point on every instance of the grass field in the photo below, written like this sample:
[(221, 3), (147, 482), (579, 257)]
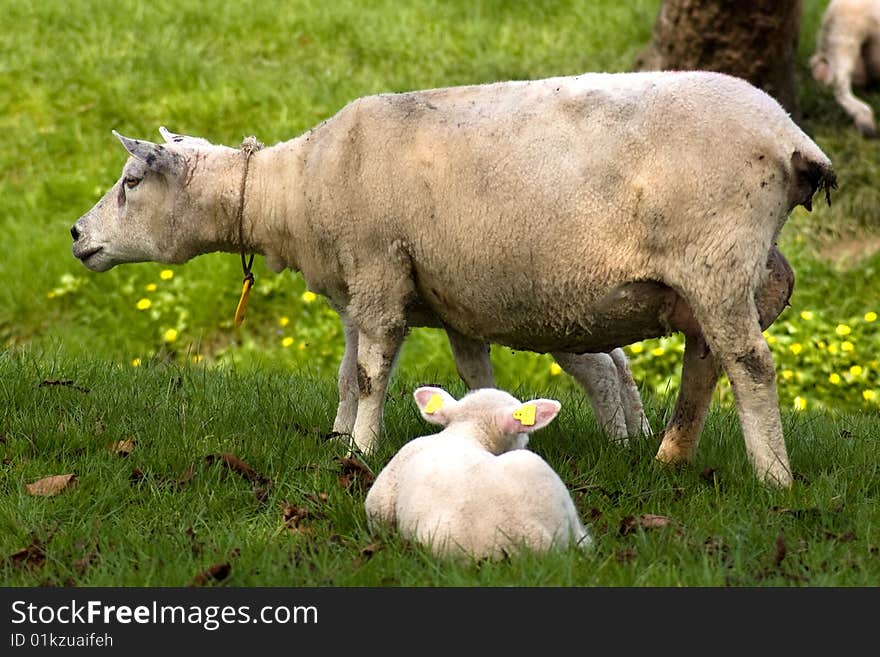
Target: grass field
[(172, 510), (85, 363)]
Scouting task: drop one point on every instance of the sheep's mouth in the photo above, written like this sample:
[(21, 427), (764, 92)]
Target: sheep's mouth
[(85, 255)]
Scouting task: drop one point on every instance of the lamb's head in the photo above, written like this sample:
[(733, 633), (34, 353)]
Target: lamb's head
[(158, 210), (499, 421)]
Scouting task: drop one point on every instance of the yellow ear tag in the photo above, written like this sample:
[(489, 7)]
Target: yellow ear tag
[(526, 414), (435, 403), (243, 301)]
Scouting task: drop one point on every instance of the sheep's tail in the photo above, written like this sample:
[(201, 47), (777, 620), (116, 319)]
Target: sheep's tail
[(811, 172)]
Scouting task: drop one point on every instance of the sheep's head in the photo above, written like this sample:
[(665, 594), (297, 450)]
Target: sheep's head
[(148, 215), (498, 420)]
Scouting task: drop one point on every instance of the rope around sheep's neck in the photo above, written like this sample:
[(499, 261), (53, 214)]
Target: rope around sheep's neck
[(249, 146)]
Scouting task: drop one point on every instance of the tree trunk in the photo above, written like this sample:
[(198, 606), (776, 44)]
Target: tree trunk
[(752, 39)]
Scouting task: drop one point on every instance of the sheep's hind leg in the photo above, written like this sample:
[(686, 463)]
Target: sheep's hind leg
[(597, 375), (347, 380), (732, 330), (471, 360), (699, 375)]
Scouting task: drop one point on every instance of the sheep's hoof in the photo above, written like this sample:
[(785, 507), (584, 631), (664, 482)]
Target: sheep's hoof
[(675, 452)]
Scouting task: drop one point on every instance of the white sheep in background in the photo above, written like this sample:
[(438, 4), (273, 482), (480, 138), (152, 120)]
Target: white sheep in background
[(848, 53), (472, 489), (564, 216)]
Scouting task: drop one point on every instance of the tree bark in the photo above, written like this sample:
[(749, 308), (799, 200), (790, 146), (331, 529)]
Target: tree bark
[(752, 39)]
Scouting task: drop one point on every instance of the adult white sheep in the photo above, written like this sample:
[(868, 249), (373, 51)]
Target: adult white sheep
[(848, 53), (566, 215), (472, 489)]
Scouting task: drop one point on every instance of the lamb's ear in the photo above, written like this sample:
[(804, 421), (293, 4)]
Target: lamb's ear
[(155, 156), (435, 404), (172, 138), (531, 415)]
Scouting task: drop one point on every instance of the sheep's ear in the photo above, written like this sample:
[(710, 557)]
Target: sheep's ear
[(155, 156), (529, 416), (172, 138), (435, 404)]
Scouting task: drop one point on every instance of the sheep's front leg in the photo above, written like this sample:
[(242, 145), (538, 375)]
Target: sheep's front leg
[(375, 359), (348, 380), (699, 374), (471, 360), (597, 375)]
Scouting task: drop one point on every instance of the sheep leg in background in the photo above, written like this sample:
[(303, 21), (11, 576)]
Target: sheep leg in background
[(699, 374), (843, 64), (636, 421), (471, 360), (597, 375), (348, 380), (732, 330)]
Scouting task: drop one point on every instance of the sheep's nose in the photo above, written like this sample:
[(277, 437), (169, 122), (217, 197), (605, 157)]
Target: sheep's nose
[(74, 232)]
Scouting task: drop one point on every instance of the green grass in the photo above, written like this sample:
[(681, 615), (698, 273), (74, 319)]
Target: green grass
[(111, 528), (265, 391)]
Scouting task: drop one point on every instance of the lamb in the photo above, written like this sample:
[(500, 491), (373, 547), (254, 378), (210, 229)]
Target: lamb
[(847, 53), (473, 489), (569, 215)]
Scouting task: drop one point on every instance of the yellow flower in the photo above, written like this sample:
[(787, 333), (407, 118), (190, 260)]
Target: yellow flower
[(822, 344), (637, 348), (286, 342), (855, 370), (198, 358), (843, 329), (832, 348), (309, 296), (284, 321), (771, 339), (869, 395), (166, 274), (787, 374), (834, 378), (136, 362), (150, 287), (143, 304), (871, 316), (555, 369), (800, 404), (658, 351), (847, 346), (807, 315), (170, 335), (796, 348)]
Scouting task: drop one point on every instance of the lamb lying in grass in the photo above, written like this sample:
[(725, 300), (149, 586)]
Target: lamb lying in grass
[(472, 489), (848, 53)]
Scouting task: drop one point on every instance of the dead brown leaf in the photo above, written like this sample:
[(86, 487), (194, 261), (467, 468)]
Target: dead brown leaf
[(187, 475), (52, 485), (646, 521), (294, 518), (781, 550), (366, 554), (625, 555), (232, 462), (66, 383), (355, 471), (217, 573), (123, 447), (31, 557), (137, 475)]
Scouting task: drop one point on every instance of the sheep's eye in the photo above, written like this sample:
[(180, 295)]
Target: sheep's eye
[(131, 182)]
